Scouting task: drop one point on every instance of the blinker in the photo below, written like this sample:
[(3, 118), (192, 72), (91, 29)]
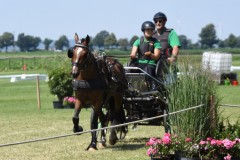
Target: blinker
[(70, 52)]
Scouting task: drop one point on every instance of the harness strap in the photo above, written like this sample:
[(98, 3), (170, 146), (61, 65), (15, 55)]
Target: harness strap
[(89, 84), (80, 45)]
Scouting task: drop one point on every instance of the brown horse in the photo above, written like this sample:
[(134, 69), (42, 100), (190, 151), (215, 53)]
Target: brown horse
[(97, 81)]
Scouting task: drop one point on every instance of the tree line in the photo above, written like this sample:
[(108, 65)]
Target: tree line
[(106, 40)]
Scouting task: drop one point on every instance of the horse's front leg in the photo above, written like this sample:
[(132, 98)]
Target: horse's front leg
[(75, 119), (93, 125)]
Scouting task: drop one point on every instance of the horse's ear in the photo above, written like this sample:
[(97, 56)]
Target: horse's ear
[(87, 39), (76, 38)]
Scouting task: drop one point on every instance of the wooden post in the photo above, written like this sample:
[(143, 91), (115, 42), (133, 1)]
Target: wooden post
[(38, 93), (212, 114)]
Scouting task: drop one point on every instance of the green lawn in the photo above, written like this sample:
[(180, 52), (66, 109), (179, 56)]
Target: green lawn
[(21, 120)]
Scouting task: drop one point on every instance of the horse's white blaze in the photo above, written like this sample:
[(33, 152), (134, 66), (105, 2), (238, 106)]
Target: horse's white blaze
[(75, 68)]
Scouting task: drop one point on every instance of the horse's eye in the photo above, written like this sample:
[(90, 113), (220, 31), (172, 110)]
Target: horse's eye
[(70, 52)]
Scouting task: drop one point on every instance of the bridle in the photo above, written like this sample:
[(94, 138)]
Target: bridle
[(83, 65)]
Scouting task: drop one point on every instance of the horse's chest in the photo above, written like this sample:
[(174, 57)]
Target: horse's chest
[(90, 97)]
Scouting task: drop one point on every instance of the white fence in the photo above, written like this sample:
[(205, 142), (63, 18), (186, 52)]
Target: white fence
[(21, 77)]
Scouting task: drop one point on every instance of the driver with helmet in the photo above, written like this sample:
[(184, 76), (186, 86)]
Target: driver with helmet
[(146, 51)]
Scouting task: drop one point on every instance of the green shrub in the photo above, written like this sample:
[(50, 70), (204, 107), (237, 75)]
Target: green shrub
[(60, 81)]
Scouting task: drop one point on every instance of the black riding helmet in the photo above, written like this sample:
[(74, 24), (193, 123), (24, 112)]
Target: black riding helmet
[(148, 25), (160, 15)]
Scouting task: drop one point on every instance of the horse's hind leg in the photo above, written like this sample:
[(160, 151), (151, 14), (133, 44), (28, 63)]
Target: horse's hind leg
[(75, 119), (104, 120), (118, 118), (113, 135)]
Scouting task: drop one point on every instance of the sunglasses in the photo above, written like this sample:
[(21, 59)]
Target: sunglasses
[(158, 20)]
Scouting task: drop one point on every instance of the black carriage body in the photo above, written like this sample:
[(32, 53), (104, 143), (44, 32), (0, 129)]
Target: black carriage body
[(140, 102)]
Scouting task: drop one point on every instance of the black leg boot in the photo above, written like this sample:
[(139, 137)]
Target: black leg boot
[(76, 127)]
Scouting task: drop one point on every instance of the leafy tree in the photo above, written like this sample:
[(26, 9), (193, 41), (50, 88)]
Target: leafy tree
[(231, 41), (7, 39), (1, 42), (238, 42), (133, 39), (47, 43), (221, 43), (100, 37), (185, 43), (110, 40), (62, 42), (123, 43), (208, 36), (35, 42), (27, 42)]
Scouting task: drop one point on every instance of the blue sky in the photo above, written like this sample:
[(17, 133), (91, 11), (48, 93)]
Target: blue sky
[(53, 18)]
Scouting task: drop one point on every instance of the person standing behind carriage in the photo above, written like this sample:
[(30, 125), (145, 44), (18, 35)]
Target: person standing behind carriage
[(146, 51), (170, 47)]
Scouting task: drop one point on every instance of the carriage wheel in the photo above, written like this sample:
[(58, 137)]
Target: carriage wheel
[(122, 132)]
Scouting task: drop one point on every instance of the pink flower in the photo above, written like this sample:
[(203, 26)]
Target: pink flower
[(228, 143), (166, 139), (209, 139), (218, 142), (65, 98), (71, 99), (151, 142), (167, 135), (237, 140), (213, 142), (188, 140), (228, 157), (151, 151), (202, 142)]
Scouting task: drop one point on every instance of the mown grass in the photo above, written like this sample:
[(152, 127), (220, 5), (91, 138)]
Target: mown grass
[(21, 120)]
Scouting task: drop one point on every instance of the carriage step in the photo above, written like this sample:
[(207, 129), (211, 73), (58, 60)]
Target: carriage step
[(134, 99), (148, 93)]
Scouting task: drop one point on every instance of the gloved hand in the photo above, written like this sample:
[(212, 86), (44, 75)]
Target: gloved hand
[(132, 57), (147, 54)]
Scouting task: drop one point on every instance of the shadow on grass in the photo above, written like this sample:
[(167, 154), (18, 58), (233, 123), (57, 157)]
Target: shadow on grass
[(130, 144)]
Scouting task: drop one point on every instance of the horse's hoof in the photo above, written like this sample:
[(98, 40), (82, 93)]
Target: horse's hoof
[(112, 142), (102, 145), (113, 137), (91, 149), (77, 129)]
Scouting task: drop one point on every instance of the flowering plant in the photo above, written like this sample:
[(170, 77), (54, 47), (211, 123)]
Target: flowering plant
[(69, 100), (214, 148), (162, 147), (184, 147), (169, 145)]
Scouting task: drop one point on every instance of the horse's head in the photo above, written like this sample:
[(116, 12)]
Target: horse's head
[(79, 54)]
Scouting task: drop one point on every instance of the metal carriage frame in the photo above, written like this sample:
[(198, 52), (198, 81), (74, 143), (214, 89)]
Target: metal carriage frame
[(140, 102)]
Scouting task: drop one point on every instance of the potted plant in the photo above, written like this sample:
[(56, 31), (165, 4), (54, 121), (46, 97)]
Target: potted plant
[(162, 148), (172, 147), (60, 83), (69, 102)]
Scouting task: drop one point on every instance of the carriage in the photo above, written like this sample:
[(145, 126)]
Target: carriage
[(140, 102), (104, 83)]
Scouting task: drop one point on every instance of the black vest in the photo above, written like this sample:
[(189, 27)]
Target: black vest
[(166, 50), (146, 47)]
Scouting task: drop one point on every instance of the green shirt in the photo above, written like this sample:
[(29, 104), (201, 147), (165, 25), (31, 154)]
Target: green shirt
[(157, 45), (173, 39)]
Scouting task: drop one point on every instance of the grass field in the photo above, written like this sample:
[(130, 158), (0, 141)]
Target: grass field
[(21, 120)]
